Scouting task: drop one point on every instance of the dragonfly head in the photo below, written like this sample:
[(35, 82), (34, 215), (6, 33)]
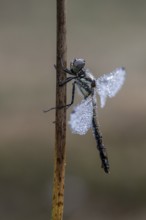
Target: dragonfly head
[(77, 64)]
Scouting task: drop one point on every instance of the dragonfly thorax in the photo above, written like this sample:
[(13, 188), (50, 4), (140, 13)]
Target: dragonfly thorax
[(86, 83)]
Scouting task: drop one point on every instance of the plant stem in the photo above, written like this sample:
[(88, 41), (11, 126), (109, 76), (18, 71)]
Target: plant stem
[(60, 130)]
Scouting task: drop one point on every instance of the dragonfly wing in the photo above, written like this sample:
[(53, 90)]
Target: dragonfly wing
[(81, 117), (109, 84)]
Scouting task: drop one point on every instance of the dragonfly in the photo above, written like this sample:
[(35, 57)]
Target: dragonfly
[(84, 115)]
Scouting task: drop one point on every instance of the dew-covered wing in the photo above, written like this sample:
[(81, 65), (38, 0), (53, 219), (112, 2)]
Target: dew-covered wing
[(81, 117), (109, 84)]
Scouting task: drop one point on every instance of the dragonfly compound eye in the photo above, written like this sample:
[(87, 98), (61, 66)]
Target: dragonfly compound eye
[(78, 63)]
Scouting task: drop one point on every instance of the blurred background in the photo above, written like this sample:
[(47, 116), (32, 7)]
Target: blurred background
[(108, 34)]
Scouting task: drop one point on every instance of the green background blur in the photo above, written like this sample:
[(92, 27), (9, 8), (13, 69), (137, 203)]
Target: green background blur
[(108, 34)]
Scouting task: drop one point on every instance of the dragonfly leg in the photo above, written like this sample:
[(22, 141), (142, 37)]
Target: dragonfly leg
[(65, 106), (67, 80), (64, 69), (73, 95)]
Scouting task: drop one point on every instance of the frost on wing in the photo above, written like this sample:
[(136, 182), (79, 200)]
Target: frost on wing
[(109, 84), (81, 117)]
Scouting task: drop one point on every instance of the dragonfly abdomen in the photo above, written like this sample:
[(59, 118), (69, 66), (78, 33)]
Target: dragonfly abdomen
[(99, 141)]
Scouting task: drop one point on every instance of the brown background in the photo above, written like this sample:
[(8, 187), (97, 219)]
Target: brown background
[(108, 34)]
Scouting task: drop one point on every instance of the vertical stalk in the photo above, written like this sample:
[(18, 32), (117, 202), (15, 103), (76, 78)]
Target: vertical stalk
[(60, 130)]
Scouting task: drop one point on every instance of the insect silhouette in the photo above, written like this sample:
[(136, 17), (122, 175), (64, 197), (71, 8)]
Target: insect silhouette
[(84, 115)]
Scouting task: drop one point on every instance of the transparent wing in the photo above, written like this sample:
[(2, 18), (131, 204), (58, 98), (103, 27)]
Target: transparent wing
[(81, 117), (109, 84)]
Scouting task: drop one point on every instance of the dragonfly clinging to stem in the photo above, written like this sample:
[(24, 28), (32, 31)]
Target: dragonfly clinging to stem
[(84, 115)]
